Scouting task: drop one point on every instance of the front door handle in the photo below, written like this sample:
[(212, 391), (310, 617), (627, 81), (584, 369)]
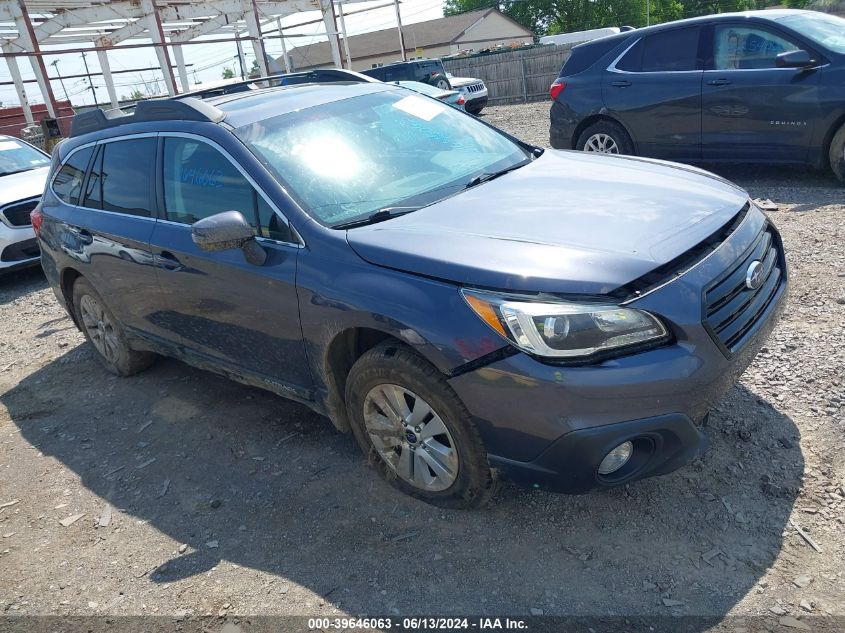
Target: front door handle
[(719, 82), (624, 83), (168, 261)]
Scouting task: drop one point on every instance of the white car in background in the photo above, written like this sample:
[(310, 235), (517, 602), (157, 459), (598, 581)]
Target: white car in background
[(23, 172), (474, 91)]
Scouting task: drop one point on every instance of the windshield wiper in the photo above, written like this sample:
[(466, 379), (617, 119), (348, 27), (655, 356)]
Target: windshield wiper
[(375, 217), (486, 177)]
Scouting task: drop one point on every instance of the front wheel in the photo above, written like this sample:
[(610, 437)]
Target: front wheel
[(605, 137), (415, 430), (837, 154)]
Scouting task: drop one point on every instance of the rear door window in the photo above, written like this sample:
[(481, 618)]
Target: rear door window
[(121, 177), (67, 184), (747, 48), (667, 51), (200, 182)]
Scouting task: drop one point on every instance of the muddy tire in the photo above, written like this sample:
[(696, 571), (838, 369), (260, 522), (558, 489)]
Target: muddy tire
[(837, 154), (605, 137), (415, 430), (104, 333)]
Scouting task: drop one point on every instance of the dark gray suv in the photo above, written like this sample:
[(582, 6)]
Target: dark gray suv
[(467, 305), (762, 86)]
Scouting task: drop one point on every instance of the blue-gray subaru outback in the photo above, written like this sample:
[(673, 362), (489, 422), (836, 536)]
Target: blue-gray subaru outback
[(470, 306)]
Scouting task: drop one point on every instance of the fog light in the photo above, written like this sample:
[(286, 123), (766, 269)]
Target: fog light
[(616, 458)]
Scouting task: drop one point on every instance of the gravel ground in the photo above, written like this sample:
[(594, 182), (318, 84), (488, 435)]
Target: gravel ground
[(177, 492)]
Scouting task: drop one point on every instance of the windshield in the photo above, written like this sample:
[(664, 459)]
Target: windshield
[(347, 159), (16, 156), (826, 30)]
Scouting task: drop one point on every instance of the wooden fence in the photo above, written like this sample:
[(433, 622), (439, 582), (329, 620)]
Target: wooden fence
[(515, 76)]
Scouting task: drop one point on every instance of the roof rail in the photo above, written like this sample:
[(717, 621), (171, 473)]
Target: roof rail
[(183, 109)]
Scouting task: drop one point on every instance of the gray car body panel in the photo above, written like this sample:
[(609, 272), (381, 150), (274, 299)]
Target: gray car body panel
[(529, 231)]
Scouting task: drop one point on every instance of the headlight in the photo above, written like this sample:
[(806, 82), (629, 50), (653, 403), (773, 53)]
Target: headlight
[(565, 329)]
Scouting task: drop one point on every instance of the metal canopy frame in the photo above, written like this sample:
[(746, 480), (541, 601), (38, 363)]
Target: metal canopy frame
[(101, 25)]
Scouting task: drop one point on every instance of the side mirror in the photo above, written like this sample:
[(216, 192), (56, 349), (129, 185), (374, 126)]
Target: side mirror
[(795, 59), (226, 230)]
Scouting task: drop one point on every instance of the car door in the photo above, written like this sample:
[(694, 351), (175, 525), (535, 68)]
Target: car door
[(106, 220), (751, 109), (654, 89), (216, 304)]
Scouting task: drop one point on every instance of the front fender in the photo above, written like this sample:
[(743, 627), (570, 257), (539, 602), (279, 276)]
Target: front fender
[(428, 315)]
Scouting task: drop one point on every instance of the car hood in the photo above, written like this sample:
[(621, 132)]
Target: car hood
[(459, 82), (26, 184), (567, 222)]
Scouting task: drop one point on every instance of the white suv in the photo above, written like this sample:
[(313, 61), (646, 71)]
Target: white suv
[(23, 172), (474, 91)]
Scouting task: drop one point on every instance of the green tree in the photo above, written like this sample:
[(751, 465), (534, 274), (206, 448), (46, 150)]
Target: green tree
[(228, 73), (135, 95), (254, 70)]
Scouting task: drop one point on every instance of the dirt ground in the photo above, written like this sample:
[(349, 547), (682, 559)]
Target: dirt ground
[(177, 492)]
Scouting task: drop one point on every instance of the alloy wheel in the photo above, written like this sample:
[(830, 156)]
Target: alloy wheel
[(99, 327), (602, 144), (411, 437)]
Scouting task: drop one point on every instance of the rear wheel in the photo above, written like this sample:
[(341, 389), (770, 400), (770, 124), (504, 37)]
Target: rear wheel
[(415, 430), (837, 154), (105, 334), (605, 137)]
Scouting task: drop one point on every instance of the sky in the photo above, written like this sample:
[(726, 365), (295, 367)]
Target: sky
[(208, 59)]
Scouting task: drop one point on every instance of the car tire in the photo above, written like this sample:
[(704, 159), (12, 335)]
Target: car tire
[(837, 154), (605, 137), (441, 82), (104, 333), (439, 458), (475, 112)]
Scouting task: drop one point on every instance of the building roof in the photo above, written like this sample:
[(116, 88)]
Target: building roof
[(440, 32)]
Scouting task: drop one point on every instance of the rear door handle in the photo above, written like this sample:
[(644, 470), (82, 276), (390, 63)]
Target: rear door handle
[(168, 261), (82, 235), (719, 82), (620, 84)]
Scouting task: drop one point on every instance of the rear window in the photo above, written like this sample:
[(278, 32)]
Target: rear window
[(586, 55), (669, 51), (67, 184)]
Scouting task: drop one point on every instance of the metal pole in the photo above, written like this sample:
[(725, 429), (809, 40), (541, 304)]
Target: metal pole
[(254, 27), (401, 35), (55, 66), (156, 30), (647, 12), (90, 83), (241, 58), (285, 55), (27, 34), (106, 69), (330, 20), (345, 37), (181, 68), (15, 72)]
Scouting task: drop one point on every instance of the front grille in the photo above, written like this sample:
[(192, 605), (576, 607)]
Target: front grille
[(17, 214), (475, 87), (731, 308), (20, 251)]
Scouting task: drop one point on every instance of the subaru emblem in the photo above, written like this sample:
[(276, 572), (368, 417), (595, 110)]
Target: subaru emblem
[(754, 275)]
